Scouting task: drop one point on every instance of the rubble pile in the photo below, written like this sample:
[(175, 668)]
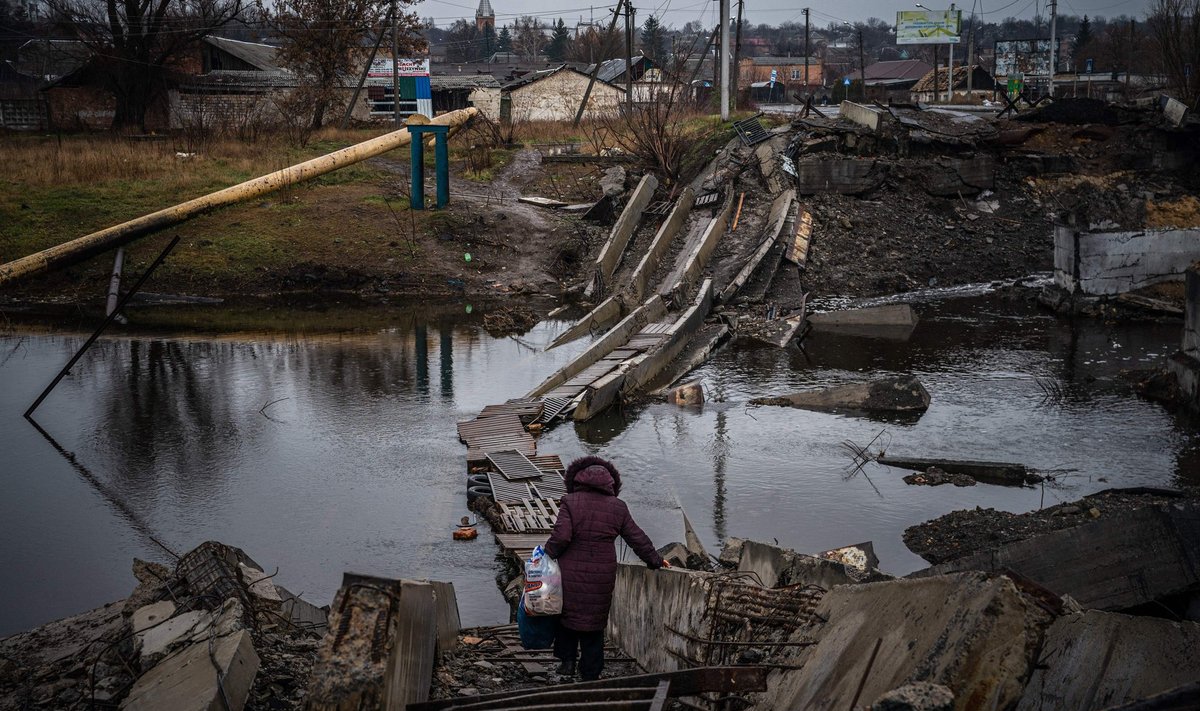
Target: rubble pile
[(963, 533), (213, 630)]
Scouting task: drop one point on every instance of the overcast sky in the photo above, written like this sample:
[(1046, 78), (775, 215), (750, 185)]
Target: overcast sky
[(678, 12)]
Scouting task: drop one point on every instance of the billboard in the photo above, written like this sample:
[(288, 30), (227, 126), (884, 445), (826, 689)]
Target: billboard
[(415, 92), (928, 27), (1026, 57)]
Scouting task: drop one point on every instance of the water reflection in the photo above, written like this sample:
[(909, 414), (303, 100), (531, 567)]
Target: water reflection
[(321, 453)]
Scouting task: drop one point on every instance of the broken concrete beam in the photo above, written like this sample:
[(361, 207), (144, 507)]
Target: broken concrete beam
[(770, 154), (691, 262), (1114, 563), (601, 395), (899, 394), (1001, 473), (862, 115), (975, 634), (1094, 660), (781, 207), (1181, 698), (205, 676), (646, 601), (644, 368), (892, 321), (610, 253), (1104, 263), (847, 176), (654, 309), (597, 320), (380, 647), (776, 567), (448, 621), (860, 556), (688, 394), (694, 353), (777, 332), (640, 280)]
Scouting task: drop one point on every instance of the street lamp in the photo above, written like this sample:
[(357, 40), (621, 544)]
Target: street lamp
[(862, 67), (950, 63)]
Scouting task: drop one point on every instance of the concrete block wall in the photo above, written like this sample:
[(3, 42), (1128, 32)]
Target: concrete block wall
[(1104, 263), (646, 602), (1191, 318)]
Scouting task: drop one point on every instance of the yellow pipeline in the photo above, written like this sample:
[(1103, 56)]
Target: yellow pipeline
[(79, 249)]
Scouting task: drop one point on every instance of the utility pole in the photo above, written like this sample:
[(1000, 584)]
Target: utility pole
[(396, 67), (950, 65), (806, 54), (628, 57), (737, 55), (362, 78), (608, 36), (971, 56), (725, 54), (862, 70), (1053, 43)]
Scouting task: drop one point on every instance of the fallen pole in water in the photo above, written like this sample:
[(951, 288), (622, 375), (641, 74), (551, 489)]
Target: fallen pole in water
[(112, 316), (80, 249)]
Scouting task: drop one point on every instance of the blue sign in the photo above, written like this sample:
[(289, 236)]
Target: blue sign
[(1091, 64), (846, 81)]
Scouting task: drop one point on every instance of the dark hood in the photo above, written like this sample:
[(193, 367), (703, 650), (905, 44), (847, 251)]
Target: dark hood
[(595, 474)]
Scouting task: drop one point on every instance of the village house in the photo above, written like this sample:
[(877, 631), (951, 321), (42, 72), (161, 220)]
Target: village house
[(554, 95), (892, 80), (929, 90), (780, 78)]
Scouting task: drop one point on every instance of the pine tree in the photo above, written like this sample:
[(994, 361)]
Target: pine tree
[(1083, 36), (504, 40), (560, 42), (654, 40)]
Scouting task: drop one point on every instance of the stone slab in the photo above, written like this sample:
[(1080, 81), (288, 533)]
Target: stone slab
[(1093, 660), (973, 633), (187, 680)]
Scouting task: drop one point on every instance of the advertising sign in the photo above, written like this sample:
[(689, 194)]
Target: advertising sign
[(1030, 57), (927, 27), (415, 92)]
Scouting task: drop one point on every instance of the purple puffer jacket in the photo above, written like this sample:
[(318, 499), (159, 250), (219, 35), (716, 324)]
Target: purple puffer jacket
[(590, 517)]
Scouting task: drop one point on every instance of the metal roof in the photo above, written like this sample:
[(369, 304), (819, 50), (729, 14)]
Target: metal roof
[(911, 69), (485, 9), (463, 81), (258, 55)]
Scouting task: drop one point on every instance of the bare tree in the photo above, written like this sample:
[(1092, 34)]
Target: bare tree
[(138, 42), (530, 39), (656, 130), (1175, 27), (323, 44)]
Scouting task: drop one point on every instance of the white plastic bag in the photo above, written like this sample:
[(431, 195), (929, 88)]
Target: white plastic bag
[(543, 584)]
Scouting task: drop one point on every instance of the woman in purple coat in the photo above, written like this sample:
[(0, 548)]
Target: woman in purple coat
[(590, 517)]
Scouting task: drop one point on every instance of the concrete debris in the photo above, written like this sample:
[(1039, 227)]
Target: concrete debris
[(1109, 563), (921, 696), (963, 533), (204, 676), (892, 321), (936, 476), (161, 652), (860, 556), (775, 566), (1000, 473), (975, 634), (688, 394), (1094, 660), (541, 201), (903, 394), (612, 184)]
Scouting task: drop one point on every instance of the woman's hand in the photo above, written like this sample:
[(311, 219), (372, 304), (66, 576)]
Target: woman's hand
[(666, 564)]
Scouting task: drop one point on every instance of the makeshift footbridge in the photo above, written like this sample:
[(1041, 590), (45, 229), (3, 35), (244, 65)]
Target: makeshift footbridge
[(640, 343)]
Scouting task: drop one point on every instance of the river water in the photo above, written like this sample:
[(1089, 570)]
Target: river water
[(320, 452)]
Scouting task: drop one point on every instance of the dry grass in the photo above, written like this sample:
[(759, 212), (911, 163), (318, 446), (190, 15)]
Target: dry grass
[(84, 160)]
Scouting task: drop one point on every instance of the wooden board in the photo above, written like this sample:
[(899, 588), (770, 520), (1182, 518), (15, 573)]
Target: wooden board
[(798, 253)]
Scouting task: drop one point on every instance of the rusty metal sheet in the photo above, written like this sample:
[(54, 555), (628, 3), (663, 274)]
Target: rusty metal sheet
[(489, 425), (798, 251), (552, 408), (548, 462)]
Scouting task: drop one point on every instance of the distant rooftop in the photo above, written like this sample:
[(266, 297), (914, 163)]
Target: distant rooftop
[(485, 9)]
